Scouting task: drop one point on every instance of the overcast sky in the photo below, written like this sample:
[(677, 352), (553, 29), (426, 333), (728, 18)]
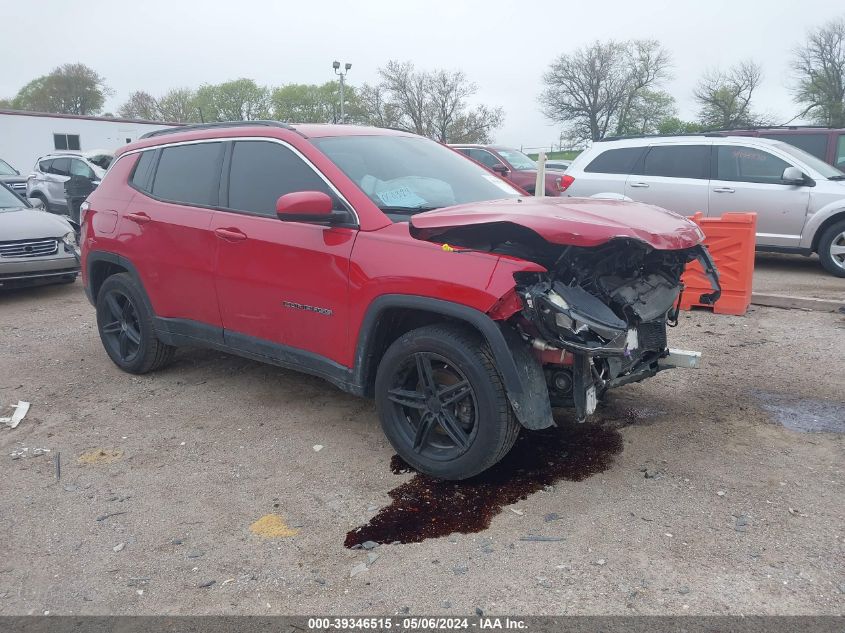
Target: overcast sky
[(502, 45)]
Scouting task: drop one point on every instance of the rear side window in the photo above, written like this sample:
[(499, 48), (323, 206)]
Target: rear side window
[(748, 164), (815, 144), (141, 174), (839, 159), (678, 161), (262, 171), (615, 161), (60, 167), (189, 174)]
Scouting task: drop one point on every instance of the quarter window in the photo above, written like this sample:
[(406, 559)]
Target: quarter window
[(189, 174), (678, 161), (615, 161), (748, 164), (262, 171), (66, 141), (141, 174)]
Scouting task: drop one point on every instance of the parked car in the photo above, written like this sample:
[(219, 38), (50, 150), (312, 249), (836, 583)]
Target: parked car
[(825, 143), (47, 182), (392, 267), (558, 164), (35, 247), (12, 178), (513, 165), (799, 199)]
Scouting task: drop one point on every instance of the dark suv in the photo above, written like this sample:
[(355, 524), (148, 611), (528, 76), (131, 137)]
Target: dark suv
[(825, 143), (389, 265)]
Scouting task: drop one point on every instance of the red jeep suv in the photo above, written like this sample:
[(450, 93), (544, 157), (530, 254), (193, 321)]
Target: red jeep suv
[(389, 265)]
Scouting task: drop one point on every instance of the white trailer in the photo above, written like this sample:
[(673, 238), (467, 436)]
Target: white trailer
[(26, 136)]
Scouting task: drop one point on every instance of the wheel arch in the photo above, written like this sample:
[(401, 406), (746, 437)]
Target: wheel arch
[(101, 265), (390, 316), (836, 216)]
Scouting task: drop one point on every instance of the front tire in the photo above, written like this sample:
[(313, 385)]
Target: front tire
[(126, 327), (832, 249), (442, 403)]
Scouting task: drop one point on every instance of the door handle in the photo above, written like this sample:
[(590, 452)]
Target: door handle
[(723, 190), (140, 217), (640, 185), (230, 234)]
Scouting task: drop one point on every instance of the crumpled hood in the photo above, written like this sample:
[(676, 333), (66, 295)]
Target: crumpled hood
[(27, 224), (568, 221)]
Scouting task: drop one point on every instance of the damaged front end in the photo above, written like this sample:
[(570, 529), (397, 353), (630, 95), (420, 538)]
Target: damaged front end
[(598, 318)]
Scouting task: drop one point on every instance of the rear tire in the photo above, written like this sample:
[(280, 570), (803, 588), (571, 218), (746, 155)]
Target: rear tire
[(832, 249), (126, 327), (442, 403)]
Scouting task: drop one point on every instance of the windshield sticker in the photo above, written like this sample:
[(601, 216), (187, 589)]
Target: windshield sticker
[(401, 197), (500, 184)]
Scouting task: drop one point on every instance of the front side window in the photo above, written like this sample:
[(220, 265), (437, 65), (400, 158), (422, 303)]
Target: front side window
[(615, 161), (78, 168), (815, 144), (66, 141), (44, 166), (189, 174), (60, 167), (517, 159), (678, 161), (748, 164), (263, 171), (403, 175)]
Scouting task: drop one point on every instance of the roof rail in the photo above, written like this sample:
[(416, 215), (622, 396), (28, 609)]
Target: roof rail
[(775, 127), (630, 136), (217, 124)]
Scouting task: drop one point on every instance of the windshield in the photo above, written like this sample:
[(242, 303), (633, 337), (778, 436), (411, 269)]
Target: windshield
[(6, 169), (823, 168), (8, 200), (517, 159), (407, 174)]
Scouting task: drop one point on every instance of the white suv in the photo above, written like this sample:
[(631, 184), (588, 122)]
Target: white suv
[(799, 199), (51, 172)]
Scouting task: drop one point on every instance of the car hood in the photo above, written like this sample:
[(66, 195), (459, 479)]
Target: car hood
[(24, 223), (568, 221), (12, 178)]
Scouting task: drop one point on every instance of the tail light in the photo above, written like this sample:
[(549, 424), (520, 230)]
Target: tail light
[(83, 208), (566, 181)]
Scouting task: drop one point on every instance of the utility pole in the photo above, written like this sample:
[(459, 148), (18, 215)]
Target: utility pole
[(342, 75)]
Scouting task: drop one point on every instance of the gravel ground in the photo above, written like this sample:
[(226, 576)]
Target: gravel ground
[(696, 492)]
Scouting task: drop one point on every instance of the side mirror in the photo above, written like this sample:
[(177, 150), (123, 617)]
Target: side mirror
[(305, 206), (499, 168), (793, 176), (35, 202)]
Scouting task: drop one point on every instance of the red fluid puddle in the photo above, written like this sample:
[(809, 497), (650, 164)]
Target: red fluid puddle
[(426, 508)]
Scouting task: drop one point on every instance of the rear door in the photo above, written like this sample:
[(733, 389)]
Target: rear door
[(750, 179), (279, 283), (674, 177), (166, 231)]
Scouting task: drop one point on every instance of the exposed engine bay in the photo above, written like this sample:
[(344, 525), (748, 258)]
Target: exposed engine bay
[(598, 317)]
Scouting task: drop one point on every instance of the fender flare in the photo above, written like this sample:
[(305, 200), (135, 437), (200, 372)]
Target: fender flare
[(521, 373), (113, 258)]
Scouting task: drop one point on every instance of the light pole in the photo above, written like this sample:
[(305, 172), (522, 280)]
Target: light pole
[(342, 75)]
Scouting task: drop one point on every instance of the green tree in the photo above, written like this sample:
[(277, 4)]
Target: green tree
[(647, 111), (595, 90), (178, 106), (312, 103), (6, 104), (674, 125), (236, 100), (69, 89), (819, 69)]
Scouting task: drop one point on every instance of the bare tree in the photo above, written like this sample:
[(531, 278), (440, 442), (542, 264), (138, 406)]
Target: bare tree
[(593, 90), (819, 69), (140, 105), (725, 96), (433, 104)]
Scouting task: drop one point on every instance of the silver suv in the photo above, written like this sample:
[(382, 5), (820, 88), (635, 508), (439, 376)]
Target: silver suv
[(799, 199), (47, 182)]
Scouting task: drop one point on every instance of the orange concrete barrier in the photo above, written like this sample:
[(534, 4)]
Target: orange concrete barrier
[(730, 240)]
